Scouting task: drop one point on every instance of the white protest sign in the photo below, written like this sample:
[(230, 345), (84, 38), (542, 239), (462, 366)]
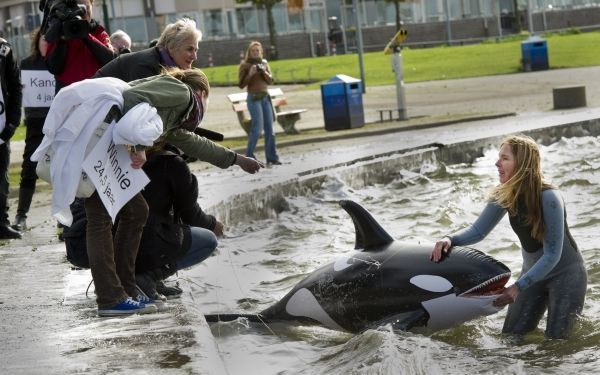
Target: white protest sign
[(38, 88), (108, 166)]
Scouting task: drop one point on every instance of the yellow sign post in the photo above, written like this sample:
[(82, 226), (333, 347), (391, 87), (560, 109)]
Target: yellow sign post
[(395, 42)]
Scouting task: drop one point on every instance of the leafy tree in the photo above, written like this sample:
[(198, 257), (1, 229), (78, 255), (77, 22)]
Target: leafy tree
[(268, 5)]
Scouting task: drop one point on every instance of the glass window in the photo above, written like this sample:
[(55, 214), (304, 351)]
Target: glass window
[(247, 20), (296, 20), (213, 22), (280, 18)]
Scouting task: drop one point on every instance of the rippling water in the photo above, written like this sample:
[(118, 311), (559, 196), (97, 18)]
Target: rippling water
[(260, 261)]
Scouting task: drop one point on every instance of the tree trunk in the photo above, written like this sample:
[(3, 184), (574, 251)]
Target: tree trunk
[(397, 6), (517, 16), (272, 31)]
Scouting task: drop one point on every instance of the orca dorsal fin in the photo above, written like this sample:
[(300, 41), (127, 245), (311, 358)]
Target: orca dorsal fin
[(368, 231)]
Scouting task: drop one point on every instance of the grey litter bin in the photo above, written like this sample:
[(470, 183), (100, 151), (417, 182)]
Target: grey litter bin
[(534, 52), (342, 103)]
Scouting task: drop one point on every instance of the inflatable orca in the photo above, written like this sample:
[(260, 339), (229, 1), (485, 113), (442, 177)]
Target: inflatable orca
[(387, 282)]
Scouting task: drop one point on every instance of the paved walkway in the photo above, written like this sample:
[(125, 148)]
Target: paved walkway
[(48, 324)]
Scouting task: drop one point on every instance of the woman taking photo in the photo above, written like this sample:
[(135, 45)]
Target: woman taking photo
[(553, 275), (255, 74)]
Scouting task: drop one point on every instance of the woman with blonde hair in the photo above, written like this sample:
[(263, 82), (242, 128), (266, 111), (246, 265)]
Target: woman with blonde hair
[(255, 74), (177, 48), (553, 276)]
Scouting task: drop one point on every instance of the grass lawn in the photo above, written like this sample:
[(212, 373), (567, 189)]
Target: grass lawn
[(567, 50)]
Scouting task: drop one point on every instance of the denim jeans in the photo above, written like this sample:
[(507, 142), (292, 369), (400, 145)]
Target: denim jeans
[(261, 112), (204, 242), (112, 261)]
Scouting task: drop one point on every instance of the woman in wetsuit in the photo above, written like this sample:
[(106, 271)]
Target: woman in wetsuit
[(553, 276)]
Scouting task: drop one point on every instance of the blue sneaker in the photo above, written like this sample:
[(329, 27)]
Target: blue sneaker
[(157, 300), (127, 307)]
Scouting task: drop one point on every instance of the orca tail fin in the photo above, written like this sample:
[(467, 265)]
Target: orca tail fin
[(368, 231), (253, 318)]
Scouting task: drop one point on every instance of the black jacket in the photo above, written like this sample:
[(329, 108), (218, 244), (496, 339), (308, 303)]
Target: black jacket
[(131, 66), (173, 190), (12, 91), (172, 196)]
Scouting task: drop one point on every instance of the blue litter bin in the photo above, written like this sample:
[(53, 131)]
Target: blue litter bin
[(534, 52), (342, 103)]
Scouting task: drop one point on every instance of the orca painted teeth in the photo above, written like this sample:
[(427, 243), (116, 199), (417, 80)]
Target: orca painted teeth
[(484, 287)]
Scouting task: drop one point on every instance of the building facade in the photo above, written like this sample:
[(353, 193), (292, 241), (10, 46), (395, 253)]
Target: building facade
[(303, 32)]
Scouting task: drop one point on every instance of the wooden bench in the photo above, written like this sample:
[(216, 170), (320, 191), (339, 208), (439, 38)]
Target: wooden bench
[(287, 119), (390, 114)]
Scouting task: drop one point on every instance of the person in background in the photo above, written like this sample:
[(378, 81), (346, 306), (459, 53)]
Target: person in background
[(553, 276), (10, 118), (120, 42), (75, 58), (255, 74), (177, 47), (34, 122)]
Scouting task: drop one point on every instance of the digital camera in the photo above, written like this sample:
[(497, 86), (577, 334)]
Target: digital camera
[(64, 17)]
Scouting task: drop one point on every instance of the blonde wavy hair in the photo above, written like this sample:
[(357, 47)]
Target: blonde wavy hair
[(526, 184), (252, 44)]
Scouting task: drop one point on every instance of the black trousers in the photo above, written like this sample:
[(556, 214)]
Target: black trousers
[(4, 163), (33, 138)]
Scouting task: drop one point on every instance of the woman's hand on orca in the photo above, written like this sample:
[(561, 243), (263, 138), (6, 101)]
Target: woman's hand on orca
[(509, 295), (441, 249)]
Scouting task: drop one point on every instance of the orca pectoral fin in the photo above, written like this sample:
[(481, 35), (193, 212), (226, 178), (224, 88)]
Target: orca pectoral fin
[(404, 321), (368, 231)]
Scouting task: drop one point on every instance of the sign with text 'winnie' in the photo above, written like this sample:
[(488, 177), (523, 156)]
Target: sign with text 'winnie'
[(109, 168)]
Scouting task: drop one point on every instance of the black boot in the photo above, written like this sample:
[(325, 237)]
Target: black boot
[(151, 282), (168, 291), (25, 197), (7, 233)]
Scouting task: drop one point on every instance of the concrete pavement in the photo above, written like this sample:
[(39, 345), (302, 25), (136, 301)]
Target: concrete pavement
[(48, 323)]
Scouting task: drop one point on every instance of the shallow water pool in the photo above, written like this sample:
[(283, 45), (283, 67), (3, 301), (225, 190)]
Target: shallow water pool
[(261, 260)]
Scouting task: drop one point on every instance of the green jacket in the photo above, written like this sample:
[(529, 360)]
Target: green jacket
[(172, 101)]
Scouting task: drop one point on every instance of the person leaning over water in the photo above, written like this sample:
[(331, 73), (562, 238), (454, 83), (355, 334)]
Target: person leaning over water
[(553, 275), (255, 74), (180, 97)]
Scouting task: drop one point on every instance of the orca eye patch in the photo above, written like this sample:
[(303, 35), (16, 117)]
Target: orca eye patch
[(431, 283)]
